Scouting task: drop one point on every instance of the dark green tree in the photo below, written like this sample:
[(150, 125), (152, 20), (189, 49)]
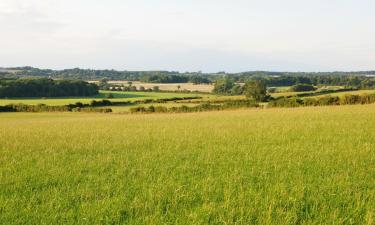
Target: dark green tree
[(256, 90), (155, 88), (223, 86)]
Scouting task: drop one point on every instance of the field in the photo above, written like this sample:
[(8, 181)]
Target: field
[(260, 166), (133, 96), (170, 87)]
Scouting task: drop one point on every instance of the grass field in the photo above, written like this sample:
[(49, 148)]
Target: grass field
[(260, 166), (170, 86), (119, 96)]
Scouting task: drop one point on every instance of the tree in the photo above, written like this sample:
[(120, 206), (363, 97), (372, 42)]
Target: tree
[(236, 90), (110, 95), (43, 87), (223, 86), (155, 88), (256, 90), (103, 84)]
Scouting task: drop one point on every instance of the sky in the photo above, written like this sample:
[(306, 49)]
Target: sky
[(189, 35)]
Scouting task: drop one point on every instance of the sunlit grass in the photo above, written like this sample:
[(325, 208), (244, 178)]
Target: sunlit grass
[(259, 166)]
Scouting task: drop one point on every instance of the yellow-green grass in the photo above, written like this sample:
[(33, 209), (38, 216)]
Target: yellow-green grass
[(119, 96), (260, 166)]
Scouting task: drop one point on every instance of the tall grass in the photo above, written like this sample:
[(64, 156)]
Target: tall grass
[(274, 166)]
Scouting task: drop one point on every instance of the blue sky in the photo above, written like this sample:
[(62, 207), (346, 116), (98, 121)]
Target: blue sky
[(206, 35)]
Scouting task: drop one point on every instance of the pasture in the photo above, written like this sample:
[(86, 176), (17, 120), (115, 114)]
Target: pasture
[(258, 166)]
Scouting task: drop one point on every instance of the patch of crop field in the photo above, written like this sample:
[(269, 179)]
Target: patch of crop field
[(118, 97), (260, 166), (170, 86), (285, 92)]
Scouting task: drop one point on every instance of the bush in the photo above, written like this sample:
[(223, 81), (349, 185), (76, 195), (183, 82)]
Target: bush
[(326, 100), (302, 87), (199, 108), (110, 95), (94, 110)]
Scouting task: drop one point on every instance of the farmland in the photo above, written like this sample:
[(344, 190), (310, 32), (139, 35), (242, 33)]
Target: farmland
[(281, 166), (121, 96), (187, 112), (170, 87)]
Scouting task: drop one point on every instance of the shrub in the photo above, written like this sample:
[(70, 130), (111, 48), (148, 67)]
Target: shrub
[(302, 87), (91, 109), (110, 95), (326, 100)]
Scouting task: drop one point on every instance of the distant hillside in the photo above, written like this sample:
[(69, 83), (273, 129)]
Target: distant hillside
[(356, 78), (89, 74)]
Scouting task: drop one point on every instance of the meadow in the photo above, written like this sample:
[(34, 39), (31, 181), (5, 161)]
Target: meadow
[(311, 165)]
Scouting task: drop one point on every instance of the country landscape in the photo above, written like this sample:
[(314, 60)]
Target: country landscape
[(242, 112)]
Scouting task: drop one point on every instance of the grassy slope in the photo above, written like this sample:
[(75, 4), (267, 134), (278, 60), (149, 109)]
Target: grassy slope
[(119, 96), (279, 166)]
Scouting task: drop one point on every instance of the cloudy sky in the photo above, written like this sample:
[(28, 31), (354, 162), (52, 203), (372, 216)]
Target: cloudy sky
[(189, 35)]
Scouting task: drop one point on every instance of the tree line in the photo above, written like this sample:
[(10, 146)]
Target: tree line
[(49, 108), (229, 86), (89, 74), (231, 104), (361, 79), (45, 87)]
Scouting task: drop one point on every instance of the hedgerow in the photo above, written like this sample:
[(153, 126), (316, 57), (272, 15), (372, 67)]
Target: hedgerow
[(323, 101)]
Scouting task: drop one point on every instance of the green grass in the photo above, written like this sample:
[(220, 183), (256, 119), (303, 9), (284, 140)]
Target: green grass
[(119, 96), (271, 166)]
